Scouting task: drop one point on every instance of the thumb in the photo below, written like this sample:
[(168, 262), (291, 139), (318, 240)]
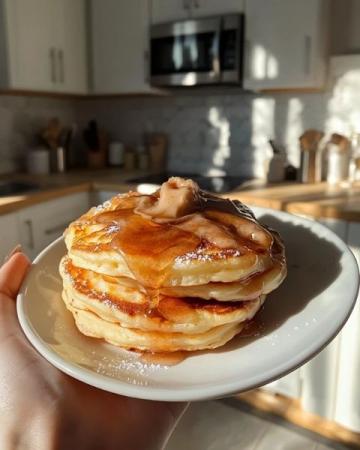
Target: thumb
[(12, 274)]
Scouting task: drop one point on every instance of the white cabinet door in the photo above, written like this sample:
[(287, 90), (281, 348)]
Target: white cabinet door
[(319, 376), (204, 8), (285, 43), (119, 46), (315, 382), (9, 236), (30, 34), (347, 410), (71, 49), (39, 225), (163, 11), (290, 385), (46, 45)]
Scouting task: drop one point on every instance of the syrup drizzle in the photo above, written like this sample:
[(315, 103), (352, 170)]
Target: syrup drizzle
[(150, 247)]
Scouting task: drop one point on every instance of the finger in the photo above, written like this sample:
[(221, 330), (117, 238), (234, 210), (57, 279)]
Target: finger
[(12, 274), (16, 249)]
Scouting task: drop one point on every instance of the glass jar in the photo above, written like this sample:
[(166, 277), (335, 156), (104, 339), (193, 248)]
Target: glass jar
[(337, 164), (354, 163)]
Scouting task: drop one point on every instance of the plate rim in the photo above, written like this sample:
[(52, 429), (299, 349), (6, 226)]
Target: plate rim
[(196, 392)]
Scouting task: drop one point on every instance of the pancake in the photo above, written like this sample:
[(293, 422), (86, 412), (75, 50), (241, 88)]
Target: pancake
[(179, 269), (243, 290), (119, 239), (132, 291), (102, 295), (153, 341)]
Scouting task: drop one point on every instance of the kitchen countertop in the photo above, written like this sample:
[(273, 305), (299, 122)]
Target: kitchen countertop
[(315, 200), (58, 185)]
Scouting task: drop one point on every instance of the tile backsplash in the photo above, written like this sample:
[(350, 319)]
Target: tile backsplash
[(211, 133), (208, 132), (21, 119)]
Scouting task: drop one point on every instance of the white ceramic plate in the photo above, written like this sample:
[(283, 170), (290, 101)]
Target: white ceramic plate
[(298, 320)]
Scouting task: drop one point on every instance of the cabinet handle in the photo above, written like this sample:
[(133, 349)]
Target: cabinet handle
[(61, 65), (146, 66), (57, 229), (29, 226), (52, 64), (307, 54), (247, 55)]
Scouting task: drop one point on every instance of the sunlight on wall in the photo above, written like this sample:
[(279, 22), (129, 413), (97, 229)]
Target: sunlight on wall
[(217, 140), (344, 105), (259, 62), (272, 70), (262, 130), (264, 64), (294, 129)]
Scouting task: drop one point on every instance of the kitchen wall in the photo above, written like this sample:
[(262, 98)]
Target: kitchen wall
[(21, 119), (212, 132), (209, 132)]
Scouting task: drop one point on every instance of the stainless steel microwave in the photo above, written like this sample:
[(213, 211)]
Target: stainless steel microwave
[(195, 52)]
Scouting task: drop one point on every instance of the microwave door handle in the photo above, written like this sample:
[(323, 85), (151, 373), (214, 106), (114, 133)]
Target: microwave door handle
[(216, 65), (216, 55)]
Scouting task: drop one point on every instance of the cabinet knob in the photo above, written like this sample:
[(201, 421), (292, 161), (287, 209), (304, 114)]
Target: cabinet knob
[(57, 229), (307, 54), (31, 241), (61, 60)]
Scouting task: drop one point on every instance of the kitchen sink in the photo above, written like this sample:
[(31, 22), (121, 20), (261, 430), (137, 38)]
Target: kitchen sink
[(217, 184), (8, 188)]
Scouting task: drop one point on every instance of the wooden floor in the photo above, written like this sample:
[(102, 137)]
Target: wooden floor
[(290, 410)]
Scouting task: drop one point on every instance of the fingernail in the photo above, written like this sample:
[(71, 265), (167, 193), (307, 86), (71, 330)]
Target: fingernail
[(16, 249)]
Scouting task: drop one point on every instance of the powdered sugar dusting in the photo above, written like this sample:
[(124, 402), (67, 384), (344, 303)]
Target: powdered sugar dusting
[(112, 229), (198, 255), (129, 366)]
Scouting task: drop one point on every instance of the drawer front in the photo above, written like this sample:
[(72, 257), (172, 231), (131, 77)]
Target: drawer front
[(39, 225), (9, 236)]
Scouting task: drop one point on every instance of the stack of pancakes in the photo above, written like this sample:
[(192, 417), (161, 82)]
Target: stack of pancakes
[(176, 270)]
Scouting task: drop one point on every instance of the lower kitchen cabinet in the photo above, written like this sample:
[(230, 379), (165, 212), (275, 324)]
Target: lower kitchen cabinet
[(347, 405), (319, 376), (40, 224), (315, 382), (9, 236), (290, 385), (37, 226), (328, 385)]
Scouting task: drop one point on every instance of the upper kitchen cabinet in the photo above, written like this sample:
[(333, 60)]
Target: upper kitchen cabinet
[(204, 8), (286, 44), (43, 45), (171, 10), (163, 11), (72, 47), (119, 34)]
